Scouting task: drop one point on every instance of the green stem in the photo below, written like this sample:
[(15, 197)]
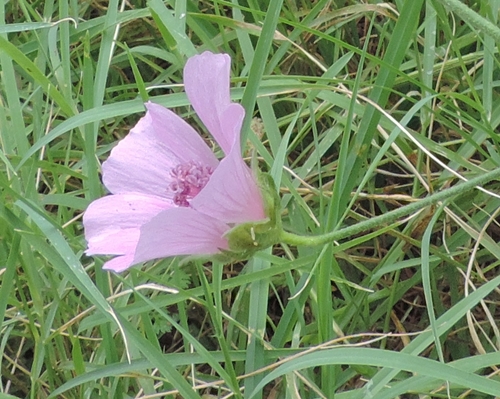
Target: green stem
[(389, 217), (473, 18)]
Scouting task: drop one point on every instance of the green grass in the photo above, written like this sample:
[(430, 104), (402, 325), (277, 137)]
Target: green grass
[(363, 109)]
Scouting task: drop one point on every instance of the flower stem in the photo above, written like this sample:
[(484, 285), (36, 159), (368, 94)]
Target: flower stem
[(294, 239)]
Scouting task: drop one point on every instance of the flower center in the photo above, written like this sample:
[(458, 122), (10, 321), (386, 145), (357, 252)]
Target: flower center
[(188, 179)]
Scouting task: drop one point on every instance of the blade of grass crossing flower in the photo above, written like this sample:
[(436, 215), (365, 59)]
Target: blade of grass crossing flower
[(258, 64), (248, 55)]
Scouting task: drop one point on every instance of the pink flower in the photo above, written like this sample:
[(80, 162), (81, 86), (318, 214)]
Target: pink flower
[(170, 194)]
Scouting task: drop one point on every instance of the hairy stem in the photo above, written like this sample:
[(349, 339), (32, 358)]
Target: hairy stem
[(389, 217)]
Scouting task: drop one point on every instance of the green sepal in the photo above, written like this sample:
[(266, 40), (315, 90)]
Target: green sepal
[(246, 239)]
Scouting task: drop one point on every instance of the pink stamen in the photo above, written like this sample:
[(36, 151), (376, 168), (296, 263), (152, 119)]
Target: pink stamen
[(188, 179)]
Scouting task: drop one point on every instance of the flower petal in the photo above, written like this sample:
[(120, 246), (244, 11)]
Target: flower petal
[(231, 122), (206, 81), (232, 194), (112, 223), (142, 161), (180, 231), (120, 263)]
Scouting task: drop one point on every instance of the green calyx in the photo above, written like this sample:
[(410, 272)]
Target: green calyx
[(247, 238)]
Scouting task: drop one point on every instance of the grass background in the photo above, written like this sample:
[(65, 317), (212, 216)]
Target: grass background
[(355, 108)]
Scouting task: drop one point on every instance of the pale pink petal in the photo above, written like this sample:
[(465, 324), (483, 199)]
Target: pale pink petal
[(232, 194), (231, 122), (140, 222), (171, 130), (180, 231), (206, 81), (119, 263), (112, 223), (142, 161)]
